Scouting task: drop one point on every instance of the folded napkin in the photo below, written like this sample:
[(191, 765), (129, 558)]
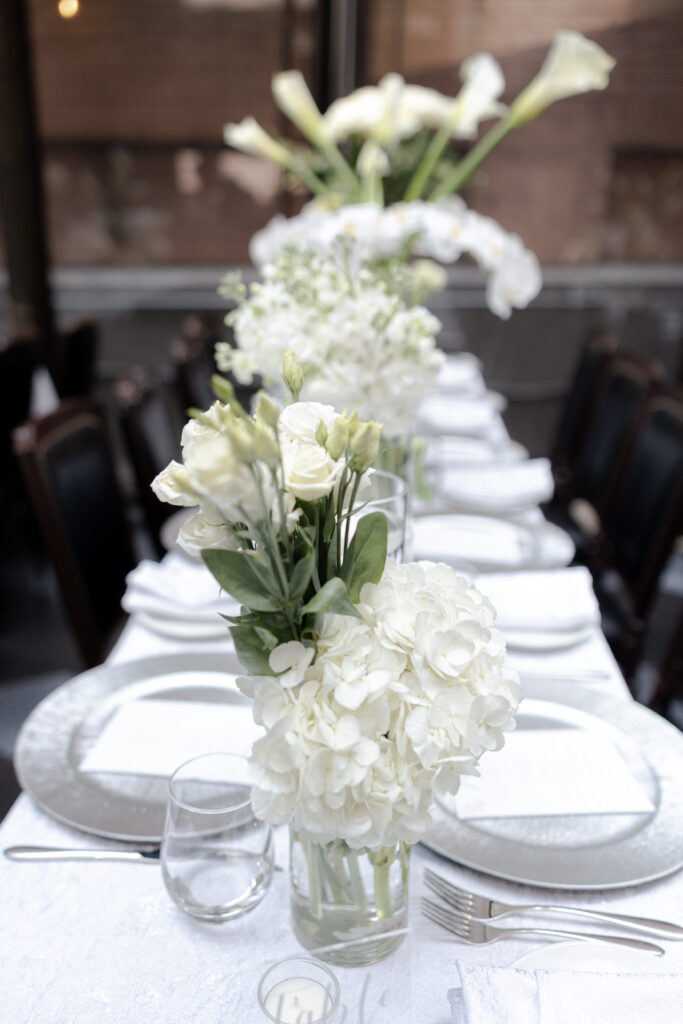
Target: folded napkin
[(461, 373), (175, 589), (154, 737), (509, 995), (558, 599), (582, 773), (449, 414), (499, 488)]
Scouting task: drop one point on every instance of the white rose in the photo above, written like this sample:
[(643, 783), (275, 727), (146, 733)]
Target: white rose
[(300, 421), (310, 472), (199, 533), (573, 65)]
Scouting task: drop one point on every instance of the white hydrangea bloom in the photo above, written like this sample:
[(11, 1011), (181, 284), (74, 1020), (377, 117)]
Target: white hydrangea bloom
[(442, 231), (395, 707)]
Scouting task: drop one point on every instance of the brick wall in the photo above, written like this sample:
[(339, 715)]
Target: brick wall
[(133, 94)]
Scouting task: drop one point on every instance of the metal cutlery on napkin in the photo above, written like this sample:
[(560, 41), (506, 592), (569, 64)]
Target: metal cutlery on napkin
[(473, 932), (480, 908), (144, 855)]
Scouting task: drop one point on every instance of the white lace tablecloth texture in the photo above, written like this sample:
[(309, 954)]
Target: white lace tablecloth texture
[(101, 943)]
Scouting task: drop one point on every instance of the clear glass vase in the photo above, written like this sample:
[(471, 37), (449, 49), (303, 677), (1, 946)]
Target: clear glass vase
[(339, 894)]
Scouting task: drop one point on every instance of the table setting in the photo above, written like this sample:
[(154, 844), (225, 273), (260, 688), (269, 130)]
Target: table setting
[(361, 751)]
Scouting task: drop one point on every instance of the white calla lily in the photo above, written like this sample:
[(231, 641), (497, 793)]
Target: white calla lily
[(573, 65), (249, 137)]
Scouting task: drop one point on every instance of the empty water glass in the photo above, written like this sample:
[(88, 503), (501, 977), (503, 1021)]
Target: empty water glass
[(387, 493), (216, 856)]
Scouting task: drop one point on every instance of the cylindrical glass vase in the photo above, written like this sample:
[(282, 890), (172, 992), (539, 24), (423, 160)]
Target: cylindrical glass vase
[(347, 905)]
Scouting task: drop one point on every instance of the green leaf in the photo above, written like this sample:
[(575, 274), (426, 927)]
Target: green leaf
[(249, 580), (332, 597), (366, 554), (268, 639), (301, 577), (250, 650)]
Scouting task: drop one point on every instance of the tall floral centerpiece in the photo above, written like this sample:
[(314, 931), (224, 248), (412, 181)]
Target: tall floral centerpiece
[(377, 684), (384, 166)]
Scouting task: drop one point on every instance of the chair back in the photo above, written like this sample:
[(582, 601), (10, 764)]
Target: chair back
[(74, 494), (646, 515), (76, 359), (580, 399), (617, 411), (152, 435), (19, 358)]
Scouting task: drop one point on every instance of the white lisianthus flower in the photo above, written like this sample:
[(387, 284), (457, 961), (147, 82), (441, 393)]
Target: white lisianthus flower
[(249, 137), (310, 472), (219, 476), (573, 65), (200, 531), (299, 422), (172, 485), (395, 706)]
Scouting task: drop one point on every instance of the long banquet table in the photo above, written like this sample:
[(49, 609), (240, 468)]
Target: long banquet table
[(93, 943)]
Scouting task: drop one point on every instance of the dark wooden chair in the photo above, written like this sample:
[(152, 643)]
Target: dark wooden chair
[(192, 355), (76, 357), (591, 477), (670, 686), (151, 431), (19, 357), (68, 470), (578, 404), (641, 524)]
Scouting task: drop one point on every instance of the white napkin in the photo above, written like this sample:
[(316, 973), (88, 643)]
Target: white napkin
[(175, 589), (509, 995), (461, 373), (558, 599), (154, 737), (448, 414), (473, 540), (499, 488), (548, 772)]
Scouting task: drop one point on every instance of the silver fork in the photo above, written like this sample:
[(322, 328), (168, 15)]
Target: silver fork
[(484, 909), (476, 933)]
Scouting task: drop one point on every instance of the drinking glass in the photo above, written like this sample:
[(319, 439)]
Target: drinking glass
[(299, 990), (216, 857), (385, 492)]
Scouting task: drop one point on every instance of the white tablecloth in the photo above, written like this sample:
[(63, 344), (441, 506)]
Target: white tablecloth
[(101, 943)]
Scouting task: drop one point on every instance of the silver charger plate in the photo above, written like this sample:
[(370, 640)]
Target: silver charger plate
[(62, 729), (591, 851)]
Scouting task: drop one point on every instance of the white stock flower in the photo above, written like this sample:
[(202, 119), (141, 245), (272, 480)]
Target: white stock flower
[(573, 65), (395, 706)]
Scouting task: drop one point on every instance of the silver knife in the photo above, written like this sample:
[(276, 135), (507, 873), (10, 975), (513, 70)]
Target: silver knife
[(146, 855)]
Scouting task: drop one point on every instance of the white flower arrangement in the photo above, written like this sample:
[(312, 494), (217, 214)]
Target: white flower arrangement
[(442, 231), (361, 345), (396, 706), (378, 685), (391, 142)]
